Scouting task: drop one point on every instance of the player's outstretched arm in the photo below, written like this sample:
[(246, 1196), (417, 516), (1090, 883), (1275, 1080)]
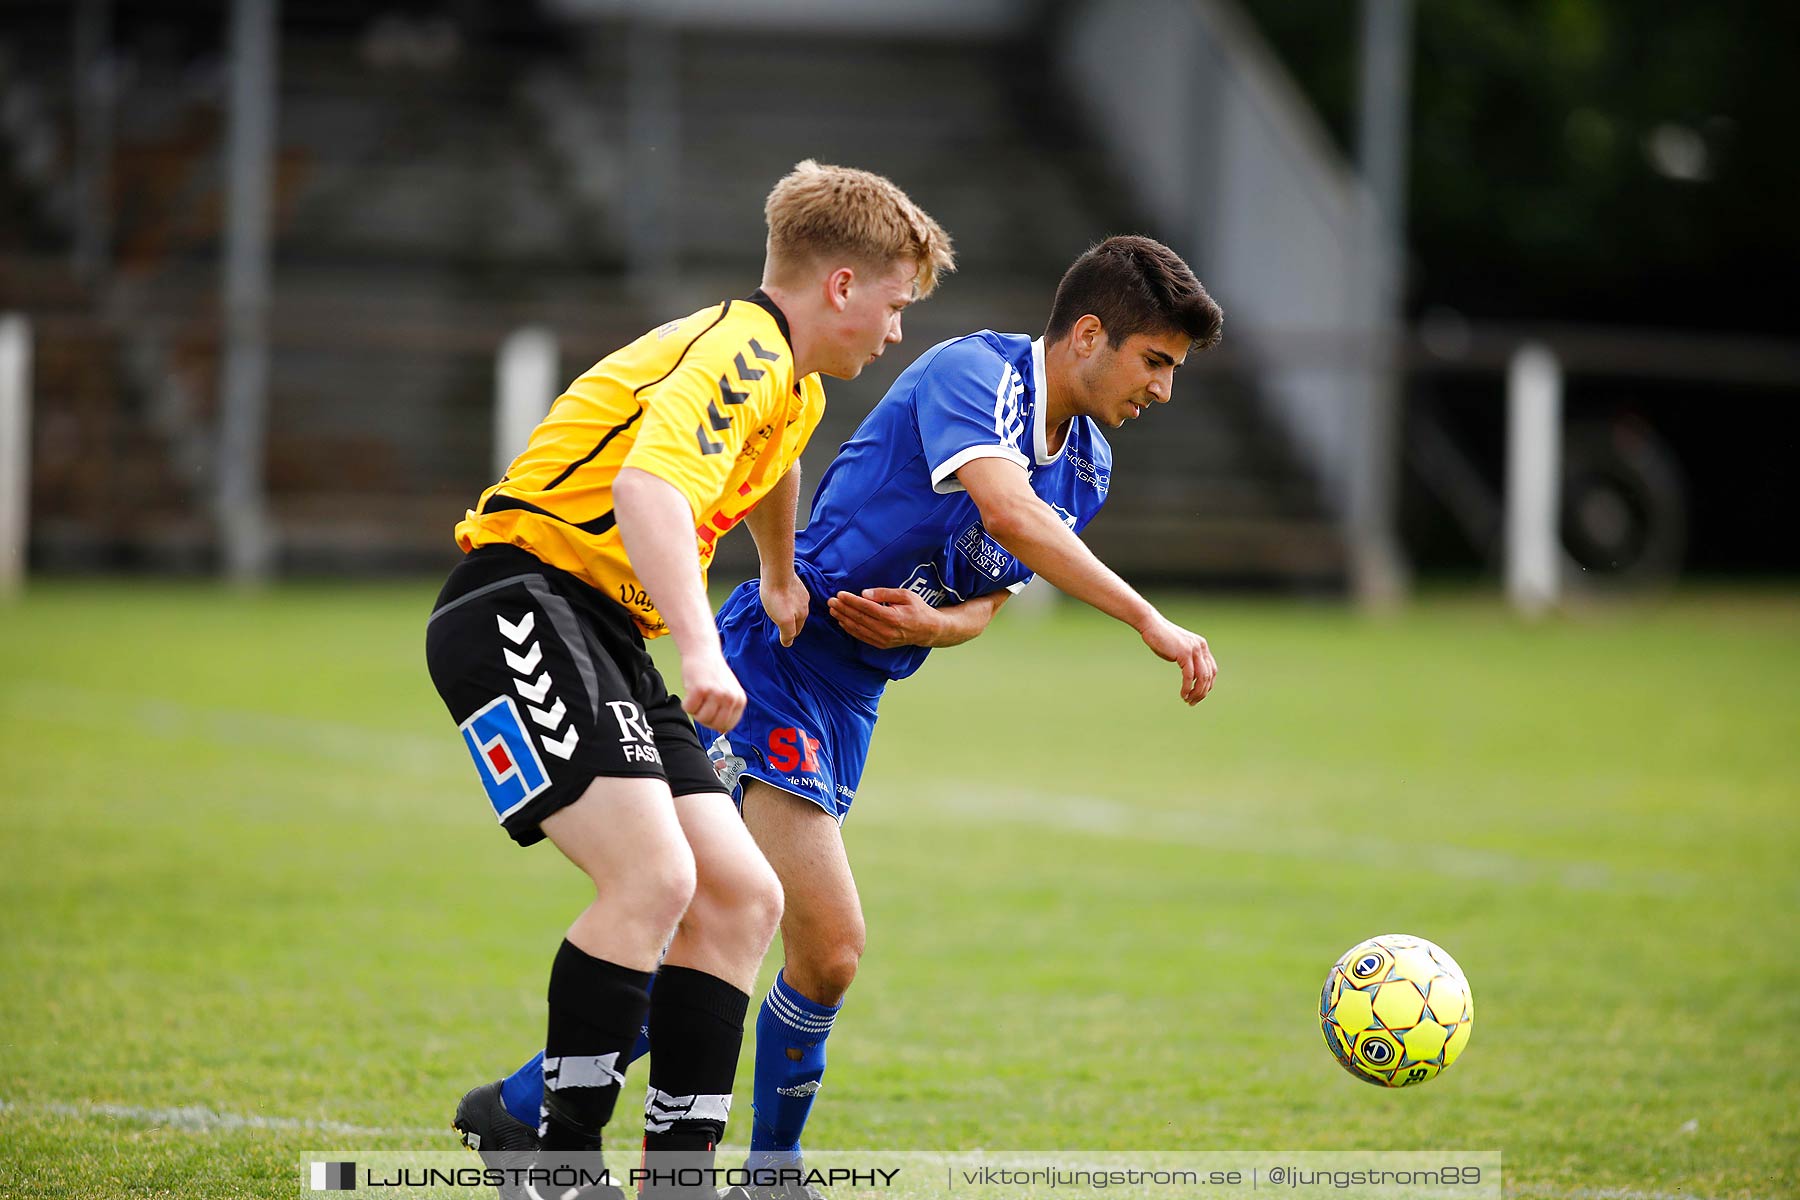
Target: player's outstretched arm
[(890, 617), (771, 524), (657, 526), (1032, 533)]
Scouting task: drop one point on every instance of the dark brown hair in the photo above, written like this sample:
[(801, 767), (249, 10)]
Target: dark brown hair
[(1135, 285)]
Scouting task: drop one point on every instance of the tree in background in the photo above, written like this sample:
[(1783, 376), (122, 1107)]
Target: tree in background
[(1593, 160)]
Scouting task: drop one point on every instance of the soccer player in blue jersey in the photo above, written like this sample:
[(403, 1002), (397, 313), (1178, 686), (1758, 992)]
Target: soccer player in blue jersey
[(975, 473)]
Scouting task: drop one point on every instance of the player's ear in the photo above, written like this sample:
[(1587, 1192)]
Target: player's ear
[(1087, 335), (837, 288)]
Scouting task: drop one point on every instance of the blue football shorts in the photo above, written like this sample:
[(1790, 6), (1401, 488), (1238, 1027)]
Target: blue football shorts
[(808, 717)]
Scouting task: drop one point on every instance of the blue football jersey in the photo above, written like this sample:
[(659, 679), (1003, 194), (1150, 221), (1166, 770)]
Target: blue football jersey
[(890, 512)]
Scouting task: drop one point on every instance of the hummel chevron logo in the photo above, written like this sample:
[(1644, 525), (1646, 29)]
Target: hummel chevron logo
[(746, 372), (727, 395), (517, 634), (765, 355), (719, 420), (707, 445), (563, 747), (551, 717), (581, 1071), (524, 664), (536, 691)]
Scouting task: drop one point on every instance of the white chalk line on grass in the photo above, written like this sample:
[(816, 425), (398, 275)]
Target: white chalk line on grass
[(1214, 828), (193, 1118), (303, 737)]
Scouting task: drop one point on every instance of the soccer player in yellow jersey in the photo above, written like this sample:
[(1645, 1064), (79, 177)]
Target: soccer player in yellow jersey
[(599, 536)]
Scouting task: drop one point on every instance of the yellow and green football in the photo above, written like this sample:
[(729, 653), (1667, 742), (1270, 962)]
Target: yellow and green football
[(1396, 1010)]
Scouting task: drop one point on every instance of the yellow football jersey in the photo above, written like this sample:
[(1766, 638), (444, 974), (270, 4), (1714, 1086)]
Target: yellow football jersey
[(708, 403)]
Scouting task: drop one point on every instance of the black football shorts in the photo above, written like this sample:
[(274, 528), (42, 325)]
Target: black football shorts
[(551, 686)]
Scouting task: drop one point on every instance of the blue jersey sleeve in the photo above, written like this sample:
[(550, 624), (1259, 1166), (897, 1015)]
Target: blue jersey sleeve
[(1075, 489), (970, 404)]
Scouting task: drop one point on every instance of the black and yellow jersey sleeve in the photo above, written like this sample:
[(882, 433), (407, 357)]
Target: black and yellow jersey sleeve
[(724, 391), (708, 403)]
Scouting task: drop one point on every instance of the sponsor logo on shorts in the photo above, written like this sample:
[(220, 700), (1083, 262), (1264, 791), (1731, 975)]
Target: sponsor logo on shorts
[(728, 766), (509, 766), (730, 770), (635, 736), (792, 750)]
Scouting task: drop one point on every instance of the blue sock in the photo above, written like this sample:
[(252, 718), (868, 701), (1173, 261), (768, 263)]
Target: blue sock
[(522, 1092), (790, 1061)]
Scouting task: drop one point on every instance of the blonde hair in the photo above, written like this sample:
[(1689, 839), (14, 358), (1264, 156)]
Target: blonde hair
[(819, 212)]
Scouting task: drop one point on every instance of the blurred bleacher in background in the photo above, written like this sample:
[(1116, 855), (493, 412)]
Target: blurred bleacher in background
[(446, 174), (443, 179)]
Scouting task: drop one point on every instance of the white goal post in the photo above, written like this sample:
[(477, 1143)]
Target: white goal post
[(526, 383), (1534, 387), (15, 449)]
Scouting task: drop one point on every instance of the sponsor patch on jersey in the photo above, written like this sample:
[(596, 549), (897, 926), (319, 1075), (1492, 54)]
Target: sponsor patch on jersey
[(983, 552), (1087, 472), (928, 585), (505, 757)]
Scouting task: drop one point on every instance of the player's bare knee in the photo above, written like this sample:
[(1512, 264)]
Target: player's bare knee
[(826, 971), (851, 944), (743, 901), (662, 887), (840, 972), (763, 902), (679, 883)]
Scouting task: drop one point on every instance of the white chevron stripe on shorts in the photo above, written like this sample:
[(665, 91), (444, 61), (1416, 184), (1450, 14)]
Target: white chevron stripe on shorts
[(662, 1110)]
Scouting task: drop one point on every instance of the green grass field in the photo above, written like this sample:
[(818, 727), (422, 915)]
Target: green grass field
[(255, 903)]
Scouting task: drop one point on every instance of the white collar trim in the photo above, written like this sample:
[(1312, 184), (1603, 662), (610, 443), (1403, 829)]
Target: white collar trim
[(1040, 396)]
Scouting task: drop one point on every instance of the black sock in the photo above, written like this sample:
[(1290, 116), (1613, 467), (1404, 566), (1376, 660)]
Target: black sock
[(696, 1028), (596, 1010)]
